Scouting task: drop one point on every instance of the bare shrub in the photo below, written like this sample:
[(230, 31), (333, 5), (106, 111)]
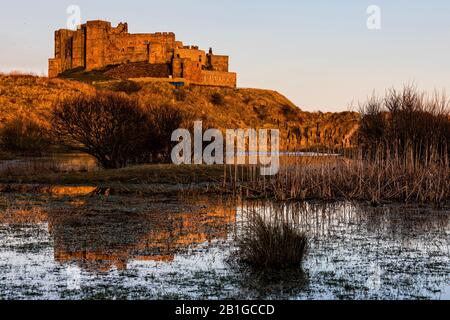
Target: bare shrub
[(164, 119), (407, 124), (25, 136), (113, 128)]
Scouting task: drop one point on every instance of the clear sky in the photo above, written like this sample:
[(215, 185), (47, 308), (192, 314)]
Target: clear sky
[(319, 53)]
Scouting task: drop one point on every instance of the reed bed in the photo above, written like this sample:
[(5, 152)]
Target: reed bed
[(341, 178)]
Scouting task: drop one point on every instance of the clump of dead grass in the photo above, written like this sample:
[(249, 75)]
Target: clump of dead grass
[(274, 244)]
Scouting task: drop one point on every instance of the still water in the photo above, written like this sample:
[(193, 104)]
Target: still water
[(61, 162), (73, 245)]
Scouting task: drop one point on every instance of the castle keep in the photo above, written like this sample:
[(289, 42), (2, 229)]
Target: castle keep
[(97, 45)]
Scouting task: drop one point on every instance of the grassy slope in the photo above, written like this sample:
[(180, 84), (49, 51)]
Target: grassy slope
[(237, 108), (255, 108), (34, 95)]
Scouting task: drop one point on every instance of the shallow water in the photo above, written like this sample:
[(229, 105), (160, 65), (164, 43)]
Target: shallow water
[(61, 162), (63, 246)]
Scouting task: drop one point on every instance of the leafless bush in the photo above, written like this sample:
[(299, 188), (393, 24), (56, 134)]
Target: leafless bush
[(116, 129), (406, 124), (25, 136), (164, 119), (111, 127)]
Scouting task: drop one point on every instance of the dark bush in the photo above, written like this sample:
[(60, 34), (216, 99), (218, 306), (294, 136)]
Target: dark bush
[(180, 94), (217, 99), (25, 136), (111, 127), (165, 119), (126, 86), (288, 111)]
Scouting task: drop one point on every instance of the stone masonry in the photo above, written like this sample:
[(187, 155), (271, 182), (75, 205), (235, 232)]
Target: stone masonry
[(96, 45)]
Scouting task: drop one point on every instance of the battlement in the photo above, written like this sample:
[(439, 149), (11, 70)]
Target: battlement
[(165, 34), (96, 45), (190, 47)]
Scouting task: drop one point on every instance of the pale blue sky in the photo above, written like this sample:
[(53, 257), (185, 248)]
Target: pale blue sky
[(320, 53)]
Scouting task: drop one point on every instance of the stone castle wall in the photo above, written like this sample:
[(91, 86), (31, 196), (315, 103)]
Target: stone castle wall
[(96, 45), (218, 78)]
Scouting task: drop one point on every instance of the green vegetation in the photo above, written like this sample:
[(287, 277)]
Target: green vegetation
[(89, 77), (126, 86)]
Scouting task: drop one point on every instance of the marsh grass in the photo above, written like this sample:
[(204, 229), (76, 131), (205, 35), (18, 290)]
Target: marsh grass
[(384, 180), (270, 243)]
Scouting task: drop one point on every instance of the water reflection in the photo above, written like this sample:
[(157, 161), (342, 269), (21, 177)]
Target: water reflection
[(66, 162), (153, 248), (100, 241)]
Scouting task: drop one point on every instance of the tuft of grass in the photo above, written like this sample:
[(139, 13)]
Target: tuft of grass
[(270, 244)]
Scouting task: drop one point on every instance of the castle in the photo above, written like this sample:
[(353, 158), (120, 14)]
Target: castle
[(96, 45)]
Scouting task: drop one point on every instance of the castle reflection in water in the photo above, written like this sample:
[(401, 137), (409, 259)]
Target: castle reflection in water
[(98, 241)]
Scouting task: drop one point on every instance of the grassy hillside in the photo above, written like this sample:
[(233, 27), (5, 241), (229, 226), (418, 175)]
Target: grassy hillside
[(33, 95), (217, 107)]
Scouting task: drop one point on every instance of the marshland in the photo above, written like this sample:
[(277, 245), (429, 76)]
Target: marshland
[(91, 208)]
